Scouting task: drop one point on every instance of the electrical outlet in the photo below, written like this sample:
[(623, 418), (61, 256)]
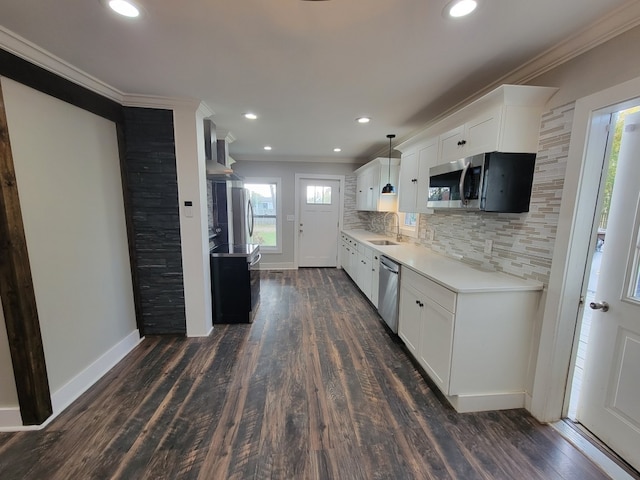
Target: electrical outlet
[(488, 247)]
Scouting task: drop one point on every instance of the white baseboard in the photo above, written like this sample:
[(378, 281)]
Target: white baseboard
[(278, 266), (9, 417), (79, 384), (480, 403)]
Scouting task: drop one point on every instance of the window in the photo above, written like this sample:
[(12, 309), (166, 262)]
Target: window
[(267, 221), (409, 224), (318, 195)]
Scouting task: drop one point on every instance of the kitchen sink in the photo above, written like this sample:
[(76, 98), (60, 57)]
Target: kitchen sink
[(382, 242)]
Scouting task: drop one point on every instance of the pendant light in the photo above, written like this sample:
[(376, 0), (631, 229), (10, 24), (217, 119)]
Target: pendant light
[(389, 189)]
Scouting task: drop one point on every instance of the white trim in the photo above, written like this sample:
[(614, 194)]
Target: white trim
[(483, 402), (570, 253), (166, 103), (406, 230), (316, 176), (278, 266), (590, 451), (79, 384), (9, 418), (23, 48)]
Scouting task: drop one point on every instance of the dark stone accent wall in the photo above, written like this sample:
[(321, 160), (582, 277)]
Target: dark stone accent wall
[(153, 192)]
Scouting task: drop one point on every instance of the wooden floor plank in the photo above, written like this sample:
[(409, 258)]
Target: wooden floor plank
[(315, 388)]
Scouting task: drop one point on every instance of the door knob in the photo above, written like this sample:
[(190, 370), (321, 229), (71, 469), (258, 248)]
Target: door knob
[(604, 306)]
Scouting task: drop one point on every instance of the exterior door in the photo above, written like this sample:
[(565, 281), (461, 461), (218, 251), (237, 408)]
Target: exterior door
[(318, 226), (610, 400)]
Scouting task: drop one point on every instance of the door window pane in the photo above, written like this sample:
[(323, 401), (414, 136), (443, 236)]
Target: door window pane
[(318, 195)]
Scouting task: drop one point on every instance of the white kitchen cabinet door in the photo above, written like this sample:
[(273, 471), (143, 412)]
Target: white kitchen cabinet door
[(451, 146), (410, 318), (364, 270), (427, 158), (414, 177), (370, 179), (364, 190), (436, 343), (481, 133), (375, 279), (408, 183)]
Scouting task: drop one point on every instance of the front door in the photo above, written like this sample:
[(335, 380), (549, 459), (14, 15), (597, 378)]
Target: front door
[(318, 225), (610, 400)]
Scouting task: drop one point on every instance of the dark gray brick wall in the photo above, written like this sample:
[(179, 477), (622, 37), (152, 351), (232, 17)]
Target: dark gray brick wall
[(153, 196)]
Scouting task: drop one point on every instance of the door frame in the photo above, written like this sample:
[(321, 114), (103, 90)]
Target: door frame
[(297, 191), (571, 251)]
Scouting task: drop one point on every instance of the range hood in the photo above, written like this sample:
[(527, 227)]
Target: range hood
[(212, 151)]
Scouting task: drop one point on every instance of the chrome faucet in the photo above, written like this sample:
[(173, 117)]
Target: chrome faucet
[(398, 236)]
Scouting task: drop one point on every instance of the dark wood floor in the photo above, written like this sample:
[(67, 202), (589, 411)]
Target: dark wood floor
[(316, 388)]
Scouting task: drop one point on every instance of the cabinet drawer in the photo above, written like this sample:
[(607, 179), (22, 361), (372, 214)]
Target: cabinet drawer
[(436, 292)]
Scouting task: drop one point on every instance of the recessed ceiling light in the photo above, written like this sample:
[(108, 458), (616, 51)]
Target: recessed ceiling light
[(460, 8), (124, 8), (363, 120), (250, 116), (337, 149), (267, 147)]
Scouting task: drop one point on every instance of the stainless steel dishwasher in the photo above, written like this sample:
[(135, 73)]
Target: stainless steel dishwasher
[(388, 292)]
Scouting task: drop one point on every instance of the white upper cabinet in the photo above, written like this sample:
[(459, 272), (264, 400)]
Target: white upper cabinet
[(370, 179), (506, 119), (413, 187)]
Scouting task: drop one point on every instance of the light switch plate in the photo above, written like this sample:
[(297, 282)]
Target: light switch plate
[(290, 218)]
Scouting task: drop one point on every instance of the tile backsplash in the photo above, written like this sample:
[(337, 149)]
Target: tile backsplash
[(522, 244)]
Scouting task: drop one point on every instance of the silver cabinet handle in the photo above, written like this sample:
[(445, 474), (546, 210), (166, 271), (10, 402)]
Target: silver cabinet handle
[(604, 306)]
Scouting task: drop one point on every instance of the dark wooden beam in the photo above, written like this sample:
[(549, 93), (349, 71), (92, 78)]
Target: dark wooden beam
[(20, 70), (17, 293)]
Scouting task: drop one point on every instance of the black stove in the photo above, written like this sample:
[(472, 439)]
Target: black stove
[(235, 282)]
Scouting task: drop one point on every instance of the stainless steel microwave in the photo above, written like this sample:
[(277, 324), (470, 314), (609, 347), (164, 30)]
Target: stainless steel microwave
[(489, 182)]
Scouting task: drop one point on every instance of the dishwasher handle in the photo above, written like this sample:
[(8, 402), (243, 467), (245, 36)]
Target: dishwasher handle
[(390, 270), (389, 265)]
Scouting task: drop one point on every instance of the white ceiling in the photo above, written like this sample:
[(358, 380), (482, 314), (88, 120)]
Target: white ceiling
[(307, 68)]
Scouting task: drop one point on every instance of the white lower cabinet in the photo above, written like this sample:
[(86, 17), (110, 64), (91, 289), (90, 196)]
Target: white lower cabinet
[(474, 346), (375, 278), (361, 263)]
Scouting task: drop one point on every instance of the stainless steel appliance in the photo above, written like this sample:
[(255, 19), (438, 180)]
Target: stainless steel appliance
[(490, 182), (388, 292), (232, 213), (235, 282)]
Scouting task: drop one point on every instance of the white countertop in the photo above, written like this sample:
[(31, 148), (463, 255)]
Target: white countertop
[(448, 272)]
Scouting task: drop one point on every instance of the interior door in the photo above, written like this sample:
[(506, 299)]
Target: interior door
[(610, 400), (318, 229)]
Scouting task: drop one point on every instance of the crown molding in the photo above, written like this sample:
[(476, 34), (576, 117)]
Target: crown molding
[(166, 103), (270, 157), (615, 23), (23, 48)]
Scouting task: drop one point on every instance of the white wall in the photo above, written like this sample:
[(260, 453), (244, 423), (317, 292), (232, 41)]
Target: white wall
[(287, 171), (69, 183), (192, 187)]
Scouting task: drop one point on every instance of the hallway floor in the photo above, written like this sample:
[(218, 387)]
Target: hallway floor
[(315, 388)]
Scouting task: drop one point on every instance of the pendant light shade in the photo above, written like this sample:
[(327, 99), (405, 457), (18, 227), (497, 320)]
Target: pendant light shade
[(389, 189)]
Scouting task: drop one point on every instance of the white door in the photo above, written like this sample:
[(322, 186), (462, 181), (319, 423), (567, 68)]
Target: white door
[(610, 400), (318, 225)]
